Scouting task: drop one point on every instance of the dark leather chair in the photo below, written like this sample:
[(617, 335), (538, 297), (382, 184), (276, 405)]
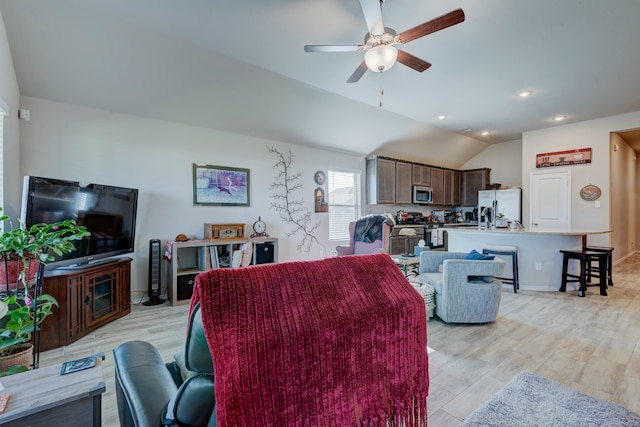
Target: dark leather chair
[(152, 393)]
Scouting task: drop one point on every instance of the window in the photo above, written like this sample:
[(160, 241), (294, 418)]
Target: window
[(3, 111), (344, 202)]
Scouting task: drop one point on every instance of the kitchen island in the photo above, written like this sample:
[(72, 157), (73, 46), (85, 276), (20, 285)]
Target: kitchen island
[(539, 257)]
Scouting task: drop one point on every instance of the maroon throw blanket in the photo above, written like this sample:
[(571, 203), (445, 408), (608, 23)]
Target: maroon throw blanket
[(336, 342)]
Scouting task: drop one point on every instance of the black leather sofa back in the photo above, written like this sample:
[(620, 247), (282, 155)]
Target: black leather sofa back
[(148, 395)]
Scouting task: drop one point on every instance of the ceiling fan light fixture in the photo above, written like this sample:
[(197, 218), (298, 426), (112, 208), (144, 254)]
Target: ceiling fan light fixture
[(380, 58)]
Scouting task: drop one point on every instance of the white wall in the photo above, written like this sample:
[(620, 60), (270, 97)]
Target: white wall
[(504, 160), (73, 142), (623, 196), (10, 96), (596, 135)]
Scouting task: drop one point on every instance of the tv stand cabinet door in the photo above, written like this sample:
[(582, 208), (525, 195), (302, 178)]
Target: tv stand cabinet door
[(100, 297)]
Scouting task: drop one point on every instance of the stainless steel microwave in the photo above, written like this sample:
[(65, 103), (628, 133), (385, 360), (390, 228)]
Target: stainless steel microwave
[(422, 195)]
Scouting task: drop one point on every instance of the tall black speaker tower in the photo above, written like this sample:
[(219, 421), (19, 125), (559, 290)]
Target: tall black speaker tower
[(154, 273)]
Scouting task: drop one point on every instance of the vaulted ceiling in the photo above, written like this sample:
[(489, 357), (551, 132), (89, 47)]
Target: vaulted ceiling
[(239, 66)]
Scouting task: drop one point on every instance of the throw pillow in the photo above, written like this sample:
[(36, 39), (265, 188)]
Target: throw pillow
[(478, 256)]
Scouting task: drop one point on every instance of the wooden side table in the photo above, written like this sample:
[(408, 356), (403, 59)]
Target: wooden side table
[(43, 398)]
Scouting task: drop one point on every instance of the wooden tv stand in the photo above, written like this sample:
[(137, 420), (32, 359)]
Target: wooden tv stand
[(88, 298)]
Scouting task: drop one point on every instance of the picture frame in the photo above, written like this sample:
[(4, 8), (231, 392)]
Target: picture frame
[(221, 185)]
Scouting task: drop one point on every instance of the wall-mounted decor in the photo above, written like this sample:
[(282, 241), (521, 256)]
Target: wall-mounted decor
[(288, 204), (564, 158), (220, 186), (320, 177), (590, 192), (320, 203)]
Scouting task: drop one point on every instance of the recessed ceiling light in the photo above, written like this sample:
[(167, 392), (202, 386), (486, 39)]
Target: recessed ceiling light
[(442, 117), (485, 133), (559, 118), (467, 130), (525, 93)]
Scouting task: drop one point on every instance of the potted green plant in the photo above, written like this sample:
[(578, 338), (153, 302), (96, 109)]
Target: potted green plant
[(501, 221), (22, 249)]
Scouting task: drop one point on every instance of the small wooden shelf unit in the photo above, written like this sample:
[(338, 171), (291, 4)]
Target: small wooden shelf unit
[(190, 258)]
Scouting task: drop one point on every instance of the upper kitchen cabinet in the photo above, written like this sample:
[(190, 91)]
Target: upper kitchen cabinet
[(381, 181), (403, 183), (421, 175), (388, 181), (473, 181), (451, 188), (437, 183)]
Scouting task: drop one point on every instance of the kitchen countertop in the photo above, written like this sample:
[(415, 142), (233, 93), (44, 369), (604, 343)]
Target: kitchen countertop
[(539, 256), (570, 232)]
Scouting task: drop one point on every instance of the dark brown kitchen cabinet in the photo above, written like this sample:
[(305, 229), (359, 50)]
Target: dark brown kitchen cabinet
[(87, 298), (381, 181), (473, 181), (437, 182), (388, 181), (403, 183), (451, 188), (421, 175)]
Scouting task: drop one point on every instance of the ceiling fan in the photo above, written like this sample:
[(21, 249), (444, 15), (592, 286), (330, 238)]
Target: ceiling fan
[(380, 42)]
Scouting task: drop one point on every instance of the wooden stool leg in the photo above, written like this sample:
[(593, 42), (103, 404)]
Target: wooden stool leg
[(582, 292), (514, 271), (602, 266), (610, 268), (565, 263), (516, 274)]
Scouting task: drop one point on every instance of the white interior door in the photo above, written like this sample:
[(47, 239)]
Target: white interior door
[(550, 201)]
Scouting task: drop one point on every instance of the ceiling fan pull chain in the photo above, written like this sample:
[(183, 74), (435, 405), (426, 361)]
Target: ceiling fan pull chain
[(381, 88)]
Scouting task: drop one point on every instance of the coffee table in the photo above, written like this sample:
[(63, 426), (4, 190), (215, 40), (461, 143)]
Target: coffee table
[(409, 265), (43, 397)]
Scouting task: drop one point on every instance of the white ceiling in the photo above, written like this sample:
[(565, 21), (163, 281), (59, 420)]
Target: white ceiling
[(239, 66)]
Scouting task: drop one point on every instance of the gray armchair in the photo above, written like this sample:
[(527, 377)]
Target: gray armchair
[(466, 291)]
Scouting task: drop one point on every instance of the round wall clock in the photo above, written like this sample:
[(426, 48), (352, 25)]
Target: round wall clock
[(590, 192), (319, 177), (259, 228)]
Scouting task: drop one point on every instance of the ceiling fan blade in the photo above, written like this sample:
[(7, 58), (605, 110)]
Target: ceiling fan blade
[(359, 72), (437, 24), (332, 48), (412, 61), (372, 10)]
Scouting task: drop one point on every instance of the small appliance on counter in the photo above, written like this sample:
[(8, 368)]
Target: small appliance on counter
[(449, 216), (403, 217)]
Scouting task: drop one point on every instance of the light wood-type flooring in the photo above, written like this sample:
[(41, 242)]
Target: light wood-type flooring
[(591, 344)]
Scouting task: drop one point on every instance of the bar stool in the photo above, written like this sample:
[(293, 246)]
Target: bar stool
[(511, 251), (591, 269), (584, 257)]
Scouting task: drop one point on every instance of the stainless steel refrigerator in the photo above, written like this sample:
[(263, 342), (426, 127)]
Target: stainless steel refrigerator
[(507, 202)]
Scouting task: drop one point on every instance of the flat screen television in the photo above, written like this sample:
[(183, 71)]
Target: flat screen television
[(108, 212)]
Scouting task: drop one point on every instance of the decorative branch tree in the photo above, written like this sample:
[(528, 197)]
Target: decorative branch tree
[(292, 210)]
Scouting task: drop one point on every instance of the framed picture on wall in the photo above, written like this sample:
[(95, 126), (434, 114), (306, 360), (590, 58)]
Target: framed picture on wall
[(221, 185)]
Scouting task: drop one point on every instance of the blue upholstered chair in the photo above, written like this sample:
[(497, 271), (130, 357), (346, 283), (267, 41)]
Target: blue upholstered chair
[(466, 290)]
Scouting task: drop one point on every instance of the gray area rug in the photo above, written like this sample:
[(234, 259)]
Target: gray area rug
[(528, 400)]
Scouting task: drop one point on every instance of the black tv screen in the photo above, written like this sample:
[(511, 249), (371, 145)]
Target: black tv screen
[(108, 212)]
